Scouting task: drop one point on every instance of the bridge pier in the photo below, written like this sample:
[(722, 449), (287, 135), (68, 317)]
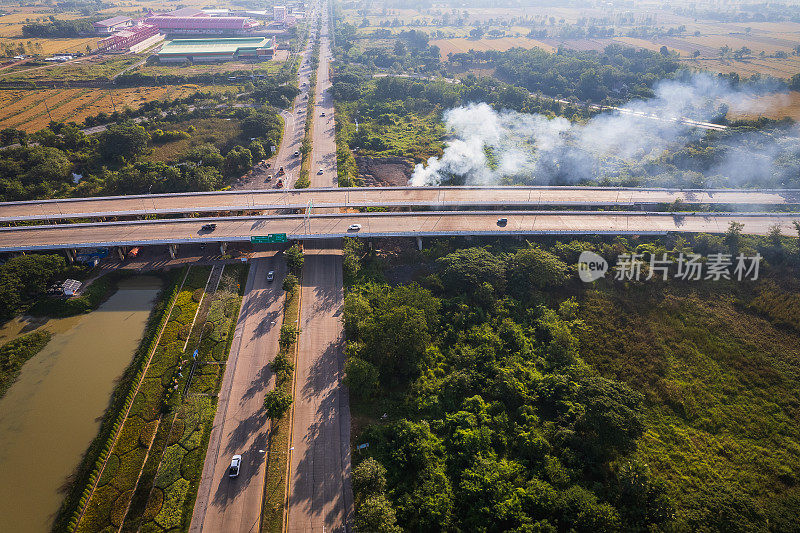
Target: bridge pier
[(223, 248), (419, 243), (173, 249), (70, 252)]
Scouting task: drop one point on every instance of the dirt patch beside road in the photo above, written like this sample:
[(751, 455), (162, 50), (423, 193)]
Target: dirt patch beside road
[(384, 171)]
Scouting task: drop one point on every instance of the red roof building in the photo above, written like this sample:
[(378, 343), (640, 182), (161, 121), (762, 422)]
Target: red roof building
[(201, 25)]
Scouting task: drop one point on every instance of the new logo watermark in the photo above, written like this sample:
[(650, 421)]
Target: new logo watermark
[(691, 267), (591, 266)]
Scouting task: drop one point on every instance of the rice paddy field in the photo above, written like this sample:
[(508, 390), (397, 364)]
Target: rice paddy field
[(32, 110), (774, 106)]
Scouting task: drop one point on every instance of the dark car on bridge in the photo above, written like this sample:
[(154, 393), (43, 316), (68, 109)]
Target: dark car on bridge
[(208, 227)]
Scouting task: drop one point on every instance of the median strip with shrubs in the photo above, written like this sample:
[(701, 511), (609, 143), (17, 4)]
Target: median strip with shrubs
[(278, 401)]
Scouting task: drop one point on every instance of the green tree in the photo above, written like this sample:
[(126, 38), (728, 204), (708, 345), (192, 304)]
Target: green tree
[(361, 377), (123, 141), (369, 477), (398, 342), (257, 150), (733, 237), (294, 259), (463, 270), (533, 268), (238, 161), (290, 282), (281, 366), (277, 403), (376, 515)]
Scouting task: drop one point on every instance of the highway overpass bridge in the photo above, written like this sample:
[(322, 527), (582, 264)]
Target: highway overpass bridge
[(250, 202), (412, 224)]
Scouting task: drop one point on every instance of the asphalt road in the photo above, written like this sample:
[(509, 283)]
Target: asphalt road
[(320, 497), (424, 224), (240, 425), (323, 153), (293, 130), (255, 200)]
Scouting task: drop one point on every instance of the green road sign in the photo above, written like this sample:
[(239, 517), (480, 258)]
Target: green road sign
[(268, 239)]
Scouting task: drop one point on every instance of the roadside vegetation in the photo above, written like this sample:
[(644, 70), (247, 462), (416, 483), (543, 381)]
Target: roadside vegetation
[(24, 281), (15, 353), (112, 485), (151, 472), (120, 159), (498, 392), (78, 487), (167, 489)]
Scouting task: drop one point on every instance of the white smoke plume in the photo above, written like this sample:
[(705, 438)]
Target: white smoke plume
[(487, 146)]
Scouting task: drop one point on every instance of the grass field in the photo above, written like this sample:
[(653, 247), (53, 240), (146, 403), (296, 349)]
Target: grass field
[(721, 388), (780, 68), (88, 68), (267, 67), (457, 46), (26, 109), (220, 132)]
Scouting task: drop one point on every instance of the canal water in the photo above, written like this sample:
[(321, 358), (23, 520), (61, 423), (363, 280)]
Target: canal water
[(51, 414)]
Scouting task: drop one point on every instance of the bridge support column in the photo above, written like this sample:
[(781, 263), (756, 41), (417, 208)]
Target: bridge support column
[(70, 254), (419, 243), (120, 252), (223, 248), (173, 249)]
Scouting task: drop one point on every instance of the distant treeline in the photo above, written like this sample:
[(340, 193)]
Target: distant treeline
[(59, 28)]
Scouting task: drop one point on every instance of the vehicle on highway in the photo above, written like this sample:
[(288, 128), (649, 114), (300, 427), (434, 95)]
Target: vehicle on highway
[(319, 171), (281, 172), (269, 177), (279, 184), (323, 114), (236, 462), (354, 227), (502, 221), (208, 227), (271, 276), (296, 153)]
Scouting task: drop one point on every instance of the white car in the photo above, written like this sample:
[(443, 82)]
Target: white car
[(236, 462), (271, 275), (354, 227), (319, 171)]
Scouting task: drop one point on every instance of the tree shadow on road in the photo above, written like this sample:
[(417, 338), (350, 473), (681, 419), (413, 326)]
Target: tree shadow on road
[(252, 460), (326, 439), (259, 384)]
